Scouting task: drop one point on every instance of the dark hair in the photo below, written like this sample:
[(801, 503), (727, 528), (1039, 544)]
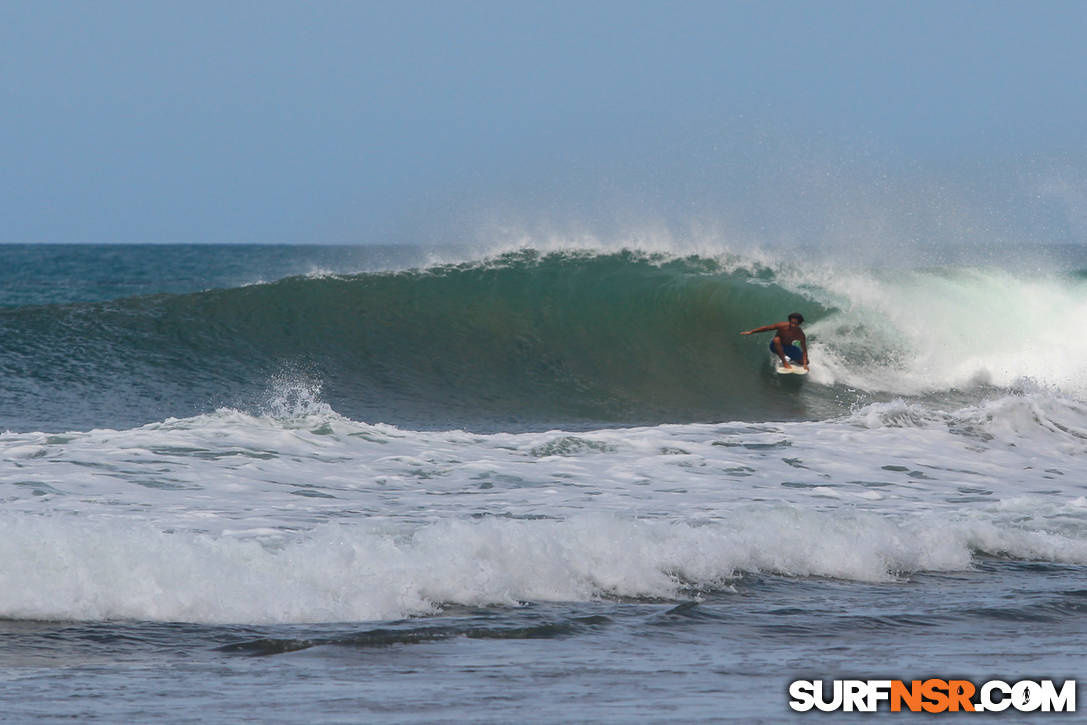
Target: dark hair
[(797, 316)]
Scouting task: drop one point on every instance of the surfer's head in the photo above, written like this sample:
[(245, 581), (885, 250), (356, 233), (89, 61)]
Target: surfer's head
[(796, 317)]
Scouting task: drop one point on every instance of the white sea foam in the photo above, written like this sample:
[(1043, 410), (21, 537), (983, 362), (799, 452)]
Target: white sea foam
[(302, 515), (302, 464), (64, 567)]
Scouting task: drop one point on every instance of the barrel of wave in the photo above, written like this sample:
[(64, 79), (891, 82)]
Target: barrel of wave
[(910, 332)]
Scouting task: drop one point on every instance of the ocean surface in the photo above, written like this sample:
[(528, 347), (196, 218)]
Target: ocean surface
[(305, 484)]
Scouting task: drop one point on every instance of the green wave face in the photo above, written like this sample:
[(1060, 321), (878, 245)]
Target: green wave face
[(524, 338)]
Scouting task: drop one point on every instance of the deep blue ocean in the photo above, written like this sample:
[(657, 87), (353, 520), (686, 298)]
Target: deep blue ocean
[(315, 484)]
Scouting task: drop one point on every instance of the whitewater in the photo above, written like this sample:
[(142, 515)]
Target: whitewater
[(446, 485)]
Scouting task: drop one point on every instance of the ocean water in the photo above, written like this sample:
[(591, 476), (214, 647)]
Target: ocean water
[(398, 484)]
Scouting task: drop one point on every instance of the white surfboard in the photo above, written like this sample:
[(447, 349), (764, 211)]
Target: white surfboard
[(794, 370)]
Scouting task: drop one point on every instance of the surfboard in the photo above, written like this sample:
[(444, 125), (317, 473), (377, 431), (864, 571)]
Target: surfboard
[(794, 370)]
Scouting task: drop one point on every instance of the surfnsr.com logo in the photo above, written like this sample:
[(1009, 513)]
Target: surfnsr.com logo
[(932, 695)]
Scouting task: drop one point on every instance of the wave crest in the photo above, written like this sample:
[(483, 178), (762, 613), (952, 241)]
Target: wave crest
[(536, 339)]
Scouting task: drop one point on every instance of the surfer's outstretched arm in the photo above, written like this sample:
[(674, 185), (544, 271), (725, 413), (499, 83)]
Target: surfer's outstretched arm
[(764, 328)]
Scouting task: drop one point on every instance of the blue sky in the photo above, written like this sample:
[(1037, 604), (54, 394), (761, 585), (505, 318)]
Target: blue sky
[(425, 121)]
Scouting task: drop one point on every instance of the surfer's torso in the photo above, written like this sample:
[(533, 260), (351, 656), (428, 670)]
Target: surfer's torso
[(790, 334)]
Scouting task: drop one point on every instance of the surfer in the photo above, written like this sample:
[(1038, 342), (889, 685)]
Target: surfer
[(784, 342)]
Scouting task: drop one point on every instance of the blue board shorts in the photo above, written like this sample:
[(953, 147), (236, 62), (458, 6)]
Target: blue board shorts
[(791, 351)]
